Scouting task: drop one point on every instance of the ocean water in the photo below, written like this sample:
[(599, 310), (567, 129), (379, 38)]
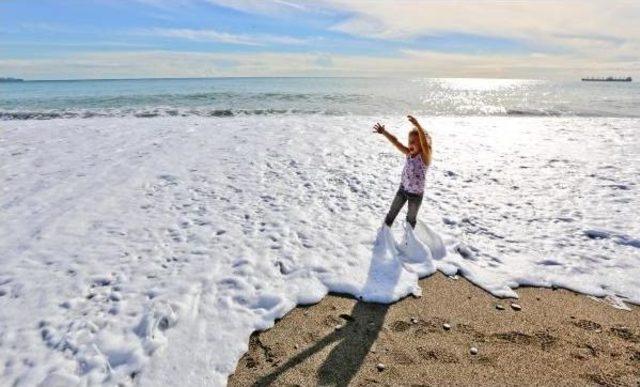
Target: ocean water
[(330, 96), (142, 247)]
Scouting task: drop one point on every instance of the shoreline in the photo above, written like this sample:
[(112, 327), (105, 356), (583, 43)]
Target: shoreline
[(558, 336)]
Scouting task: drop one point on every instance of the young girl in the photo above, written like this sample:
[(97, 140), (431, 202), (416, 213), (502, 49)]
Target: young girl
[(412, 183)]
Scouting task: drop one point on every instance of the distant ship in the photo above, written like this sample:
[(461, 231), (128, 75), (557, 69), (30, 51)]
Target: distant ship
[(11, 79), (607, 79)]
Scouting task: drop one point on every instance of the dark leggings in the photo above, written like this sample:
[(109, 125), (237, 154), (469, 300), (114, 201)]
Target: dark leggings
[(402, 197)]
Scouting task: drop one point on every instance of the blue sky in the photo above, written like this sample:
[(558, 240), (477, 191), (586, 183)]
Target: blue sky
[(158, 38)]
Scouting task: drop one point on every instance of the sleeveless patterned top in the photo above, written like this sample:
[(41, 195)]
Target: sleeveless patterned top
[(413, 175)]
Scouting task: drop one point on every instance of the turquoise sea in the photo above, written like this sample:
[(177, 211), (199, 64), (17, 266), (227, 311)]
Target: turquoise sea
[(330, 96)]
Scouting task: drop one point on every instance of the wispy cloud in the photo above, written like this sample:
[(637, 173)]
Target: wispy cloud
[(277, 8), (597, 29), (223, 37), (123, 45), (43, 27), (570, 24), (273, 63), (269, 7)]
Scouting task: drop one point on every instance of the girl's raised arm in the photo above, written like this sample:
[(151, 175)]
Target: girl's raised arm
[(425, 141), (377, 128)]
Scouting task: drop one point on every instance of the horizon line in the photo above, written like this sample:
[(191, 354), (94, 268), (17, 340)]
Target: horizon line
[(263, 77)]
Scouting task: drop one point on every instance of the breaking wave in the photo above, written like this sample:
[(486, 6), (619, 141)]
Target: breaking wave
[(9, 115), (149, 113)]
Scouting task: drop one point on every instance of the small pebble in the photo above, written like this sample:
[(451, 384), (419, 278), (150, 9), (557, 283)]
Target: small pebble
[(446, 326), (295, 346), (338, 327), (380, 367), (499, 307), (414, 320), (516, 307), (473, 350)]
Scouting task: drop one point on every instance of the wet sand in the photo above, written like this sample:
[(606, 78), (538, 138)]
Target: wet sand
[(557, 338)]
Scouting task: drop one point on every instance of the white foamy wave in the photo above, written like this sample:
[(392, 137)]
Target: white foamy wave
[(129, 245), (151, 112)]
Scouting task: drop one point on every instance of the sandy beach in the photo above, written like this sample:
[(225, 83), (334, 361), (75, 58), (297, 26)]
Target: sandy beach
[(558, 337)]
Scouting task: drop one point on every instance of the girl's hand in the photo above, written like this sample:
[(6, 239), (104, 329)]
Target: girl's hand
[(413, 120), (377, 128)]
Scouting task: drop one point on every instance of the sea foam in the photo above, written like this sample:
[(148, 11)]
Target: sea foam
[(148, 250)]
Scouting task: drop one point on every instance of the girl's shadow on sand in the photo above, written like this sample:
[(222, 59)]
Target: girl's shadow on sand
[(361, 330), (354, 343)]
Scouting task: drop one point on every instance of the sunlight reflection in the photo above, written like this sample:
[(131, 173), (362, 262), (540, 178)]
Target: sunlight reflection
[(475, 96), (483, 84)]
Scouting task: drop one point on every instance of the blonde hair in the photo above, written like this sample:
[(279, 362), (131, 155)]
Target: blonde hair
[(414, 132)]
